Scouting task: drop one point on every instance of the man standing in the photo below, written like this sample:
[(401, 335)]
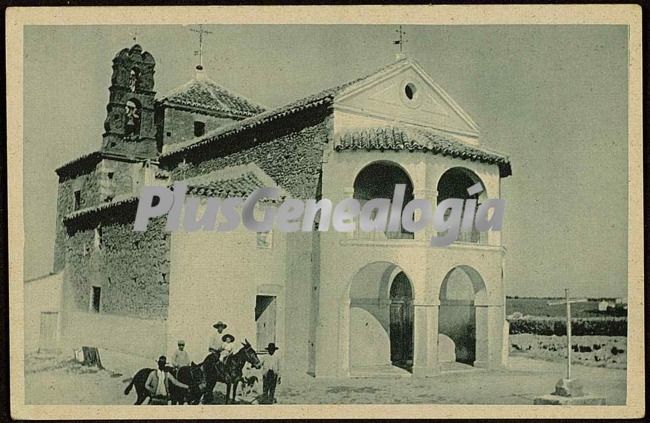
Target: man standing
[(181, 357), (158, 383), (215, 339), (270, 374)]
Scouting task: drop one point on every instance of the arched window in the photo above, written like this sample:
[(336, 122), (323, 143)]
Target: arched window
[(453, 184), (378, 180)]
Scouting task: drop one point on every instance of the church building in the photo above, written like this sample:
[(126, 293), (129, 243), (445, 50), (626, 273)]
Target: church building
[(336, 304)]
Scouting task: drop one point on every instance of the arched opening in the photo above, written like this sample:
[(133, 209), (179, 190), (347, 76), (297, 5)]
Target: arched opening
[(378, 180), (454, 184), (133, 111), (401, 322), (380, 319), (460, 292)]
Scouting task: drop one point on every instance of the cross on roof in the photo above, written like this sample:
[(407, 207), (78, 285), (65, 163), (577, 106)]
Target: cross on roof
[(568, 301), (402, 39), (200, 31)]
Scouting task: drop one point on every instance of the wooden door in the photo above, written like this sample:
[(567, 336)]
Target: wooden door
[(48, 333), (401, 332), (265, 316)]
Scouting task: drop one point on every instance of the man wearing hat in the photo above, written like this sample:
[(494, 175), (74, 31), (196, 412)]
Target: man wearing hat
[(158, 383), (181, 357), (270, 373), (215, 340)]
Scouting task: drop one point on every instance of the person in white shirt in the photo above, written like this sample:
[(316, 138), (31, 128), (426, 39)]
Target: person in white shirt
[(226, 347), (181, 357), (270, 373), (215, 339), (158, 383)]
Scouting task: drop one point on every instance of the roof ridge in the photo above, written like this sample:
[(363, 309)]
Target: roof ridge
[(298, 104)]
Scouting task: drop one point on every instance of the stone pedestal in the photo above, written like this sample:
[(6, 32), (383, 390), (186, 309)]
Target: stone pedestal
[(569, 392)]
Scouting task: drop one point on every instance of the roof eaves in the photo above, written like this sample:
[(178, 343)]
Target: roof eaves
[(248, 123)]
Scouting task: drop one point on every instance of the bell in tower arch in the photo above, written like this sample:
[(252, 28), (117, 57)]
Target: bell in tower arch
[(129, 125)]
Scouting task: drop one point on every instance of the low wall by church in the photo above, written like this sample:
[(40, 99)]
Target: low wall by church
[(41, 295), (370, 340), (145, 338)]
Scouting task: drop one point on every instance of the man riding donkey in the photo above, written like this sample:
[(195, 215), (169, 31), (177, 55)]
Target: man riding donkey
[(223, 364)]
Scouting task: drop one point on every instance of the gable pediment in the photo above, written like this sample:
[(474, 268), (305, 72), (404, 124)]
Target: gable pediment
[(408, 95)]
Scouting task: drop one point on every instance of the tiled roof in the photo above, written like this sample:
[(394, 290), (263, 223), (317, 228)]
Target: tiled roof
[(118, 202), (86, 161), (205, 94), (235, 181), (241, 186), (411, 139), (315, 100)]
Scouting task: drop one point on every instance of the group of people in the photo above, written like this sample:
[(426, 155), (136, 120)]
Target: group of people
[(222, 345)]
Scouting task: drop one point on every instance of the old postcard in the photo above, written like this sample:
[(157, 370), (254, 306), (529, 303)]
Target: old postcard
[(275, 212)]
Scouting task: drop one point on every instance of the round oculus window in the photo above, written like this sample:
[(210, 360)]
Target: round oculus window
[(410, 90)]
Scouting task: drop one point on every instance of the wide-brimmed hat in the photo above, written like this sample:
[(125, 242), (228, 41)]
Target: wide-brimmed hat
[(220, 324), (162, 359), (181, 342), (272, 347), (228, 336)]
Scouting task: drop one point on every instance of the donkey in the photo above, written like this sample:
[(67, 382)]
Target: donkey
[(139, 380), (194, 377), (230, 372), (190, 375)]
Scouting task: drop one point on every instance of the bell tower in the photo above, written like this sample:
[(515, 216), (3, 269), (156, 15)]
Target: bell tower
[(129, 126)]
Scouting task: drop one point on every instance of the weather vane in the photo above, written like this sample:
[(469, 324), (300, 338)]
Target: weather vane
[(402, 40), (199, 52)]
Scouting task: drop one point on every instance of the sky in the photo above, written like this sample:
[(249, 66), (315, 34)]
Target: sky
[(553, 98)]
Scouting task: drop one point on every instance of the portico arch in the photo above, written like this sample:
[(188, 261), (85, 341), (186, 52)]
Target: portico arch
[(379, 309), (462, 295)]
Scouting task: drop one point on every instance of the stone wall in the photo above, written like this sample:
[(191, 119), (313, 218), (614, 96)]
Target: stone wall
[(178, 125), (291, 157), (132, 269), (89, 185)]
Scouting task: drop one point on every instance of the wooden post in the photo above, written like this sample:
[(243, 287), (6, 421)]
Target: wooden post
[(568, 334)]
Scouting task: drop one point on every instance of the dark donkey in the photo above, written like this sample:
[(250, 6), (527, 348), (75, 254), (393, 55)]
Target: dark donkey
[(230, 372), (192, 376)]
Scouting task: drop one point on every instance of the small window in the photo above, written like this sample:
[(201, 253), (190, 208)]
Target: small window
[(264, 240), (99, 242), (410, 90), (169, 134), (199, 128), (77, 199), (110, 175), (95, 300)]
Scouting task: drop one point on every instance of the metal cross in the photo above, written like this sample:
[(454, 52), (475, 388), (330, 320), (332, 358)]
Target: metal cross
[(200, 31), (402, 39), (568, 303)]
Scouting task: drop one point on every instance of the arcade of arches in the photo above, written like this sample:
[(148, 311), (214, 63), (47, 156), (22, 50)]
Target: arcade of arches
[(382, 326)]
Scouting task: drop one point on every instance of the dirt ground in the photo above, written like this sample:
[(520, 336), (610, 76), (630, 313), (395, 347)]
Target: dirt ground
[(51, 380)]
